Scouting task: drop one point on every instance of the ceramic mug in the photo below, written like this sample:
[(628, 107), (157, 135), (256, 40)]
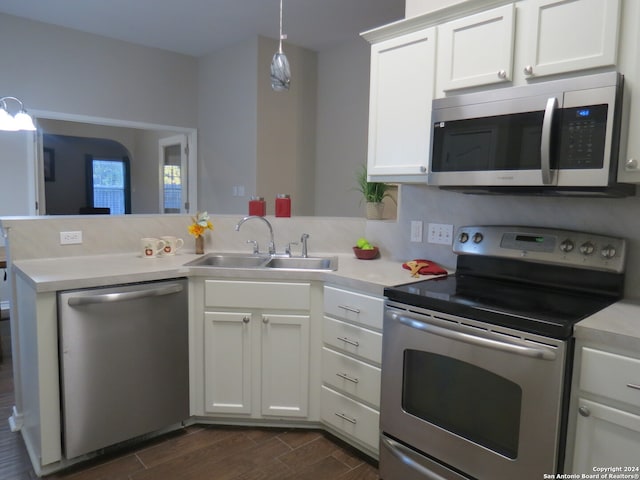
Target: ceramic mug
[(171, 245), (150, 246)]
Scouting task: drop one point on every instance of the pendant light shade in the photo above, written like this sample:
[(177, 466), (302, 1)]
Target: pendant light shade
[(280, 70), (10, 123)]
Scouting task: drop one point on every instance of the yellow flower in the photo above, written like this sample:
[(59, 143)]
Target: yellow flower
[(200, 223)]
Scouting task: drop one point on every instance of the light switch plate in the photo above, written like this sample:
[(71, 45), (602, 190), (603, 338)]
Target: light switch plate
[(440, 233)]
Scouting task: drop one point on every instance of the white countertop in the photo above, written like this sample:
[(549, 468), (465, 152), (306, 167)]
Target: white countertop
[(55, 274), (618, 325)]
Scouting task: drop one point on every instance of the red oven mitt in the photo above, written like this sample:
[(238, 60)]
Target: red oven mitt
[(423, 267)]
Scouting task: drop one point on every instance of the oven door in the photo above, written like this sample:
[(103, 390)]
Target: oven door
[(481, 400)]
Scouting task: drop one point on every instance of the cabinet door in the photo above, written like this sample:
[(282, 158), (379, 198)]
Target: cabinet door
[(227, 357), (402, 81), (605, 436), (285, 365), (462, 59), (569, 35)]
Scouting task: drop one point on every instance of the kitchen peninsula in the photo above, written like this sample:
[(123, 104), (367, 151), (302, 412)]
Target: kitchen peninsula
[(108, 256)]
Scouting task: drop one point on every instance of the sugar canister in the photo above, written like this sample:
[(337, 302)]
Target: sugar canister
[(283, 205), (257, 206)]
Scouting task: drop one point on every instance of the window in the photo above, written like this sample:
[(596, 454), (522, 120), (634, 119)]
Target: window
[(108, 184), (172, 182)]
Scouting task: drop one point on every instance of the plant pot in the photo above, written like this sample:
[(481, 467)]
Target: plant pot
[(374, 210)]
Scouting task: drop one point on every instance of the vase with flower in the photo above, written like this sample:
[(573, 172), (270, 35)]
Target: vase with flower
[(201, 223)]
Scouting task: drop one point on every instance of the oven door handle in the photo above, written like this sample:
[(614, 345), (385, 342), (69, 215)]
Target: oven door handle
[(502, 345), (404, 454)]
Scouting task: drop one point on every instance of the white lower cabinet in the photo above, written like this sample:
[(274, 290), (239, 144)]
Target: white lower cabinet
[(256, 360), (351, 355), (350, 417), (605, 436), (605, 411)]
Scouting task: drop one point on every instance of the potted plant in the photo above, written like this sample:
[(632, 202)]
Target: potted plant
[(373, 193)]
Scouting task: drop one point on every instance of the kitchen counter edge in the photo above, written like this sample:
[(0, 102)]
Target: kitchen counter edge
[(69, 273)]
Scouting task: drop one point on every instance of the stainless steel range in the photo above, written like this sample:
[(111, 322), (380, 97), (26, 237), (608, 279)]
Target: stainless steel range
[(476, 366)]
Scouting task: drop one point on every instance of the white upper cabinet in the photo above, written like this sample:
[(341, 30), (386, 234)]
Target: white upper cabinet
[(568, 35), (476, 50), (526, 40), (402, 83)]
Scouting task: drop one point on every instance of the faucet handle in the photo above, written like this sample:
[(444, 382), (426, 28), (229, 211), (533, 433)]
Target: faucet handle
[(287, 249), (256, 248)]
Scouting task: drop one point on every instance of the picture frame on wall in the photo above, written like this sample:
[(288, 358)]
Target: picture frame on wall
[(49, 165)]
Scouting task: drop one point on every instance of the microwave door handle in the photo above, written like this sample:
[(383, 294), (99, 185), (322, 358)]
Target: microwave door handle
[(502, 345), (545, 142)]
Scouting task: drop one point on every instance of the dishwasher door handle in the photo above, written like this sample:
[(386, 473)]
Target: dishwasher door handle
[(124, 296)]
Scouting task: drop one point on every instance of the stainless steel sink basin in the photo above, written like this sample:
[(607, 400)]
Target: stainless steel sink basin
[(306, 263), (230, 260), (249, 261)]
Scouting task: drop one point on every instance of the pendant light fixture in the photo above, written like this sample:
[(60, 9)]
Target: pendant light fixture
[(14, 123), (280, 71)]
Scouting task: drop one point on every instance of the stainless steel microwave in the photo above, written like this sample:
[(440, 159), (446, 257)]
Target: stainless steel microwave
[(556, 137)]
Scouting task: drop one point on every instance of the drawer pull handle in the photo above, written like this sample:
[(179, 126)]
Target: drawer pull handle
[(347, 377), (348, 419), (349, 309), (349, 341), (584, 411), (635, 386), (246, 319)]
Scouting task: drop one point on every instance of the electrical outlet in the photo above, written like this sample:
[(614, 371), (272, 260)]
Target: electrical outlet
[(440, 233), (416, 230), (71, 238)]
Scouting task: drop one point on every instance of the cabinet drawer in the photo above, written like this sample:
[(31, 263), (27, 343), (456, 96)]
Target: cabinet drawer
[(610, 375), (352, 339), (351, 376), (348, 416), (241, 294), (354, 307)]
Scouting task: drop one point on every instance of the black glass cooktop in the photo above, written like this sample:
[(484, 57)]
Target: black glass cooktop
[(545, 309)]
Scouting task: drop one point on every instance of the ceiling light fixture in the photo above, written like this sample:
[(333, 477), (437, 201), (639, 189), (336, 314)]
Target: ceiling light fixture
[(280, 71), (13, 123)]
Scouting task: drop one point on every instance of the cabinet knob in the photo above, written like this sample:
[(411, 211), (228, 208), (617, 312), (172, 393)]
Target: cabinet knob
[(423, 169), (631, 164), (502, 74), (528, 70), (584, 411), (265, 320), (245, 319)]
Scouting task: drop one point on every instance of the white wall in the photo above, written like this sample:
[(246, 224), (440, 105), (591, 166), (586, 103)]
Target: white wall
[(342, 132), (61, 70), (227, 120)]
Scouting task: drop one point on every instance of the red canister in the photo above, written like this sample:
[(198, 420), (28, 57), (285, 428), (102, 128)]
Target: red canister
[(257, 206), (283, 205)]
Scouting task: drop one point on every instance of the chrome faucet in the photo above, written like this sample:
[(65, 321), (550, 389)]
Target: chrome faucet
[(272, 245), (303, 240)]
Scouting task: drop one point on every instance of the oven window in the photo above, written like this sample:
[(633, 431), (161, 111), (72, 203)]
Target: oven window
[(464, 399)]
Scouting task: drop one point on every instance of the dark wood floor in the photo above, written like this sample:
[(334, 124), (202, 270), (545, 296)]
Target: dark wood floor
[(198, 453)]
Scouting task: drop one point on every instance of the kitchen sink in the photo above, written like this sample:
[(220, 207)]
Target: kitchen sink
[(304, 263), (230, 260), (251, 261)]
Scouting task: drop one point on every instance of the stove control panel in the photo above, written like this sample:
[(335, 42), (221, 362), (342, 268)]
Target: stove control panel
[(545, 245)]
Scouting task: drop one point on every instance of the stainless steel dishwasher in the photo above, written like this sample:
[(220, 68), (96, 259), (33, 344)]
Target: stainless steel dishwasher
[(124, 362)]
